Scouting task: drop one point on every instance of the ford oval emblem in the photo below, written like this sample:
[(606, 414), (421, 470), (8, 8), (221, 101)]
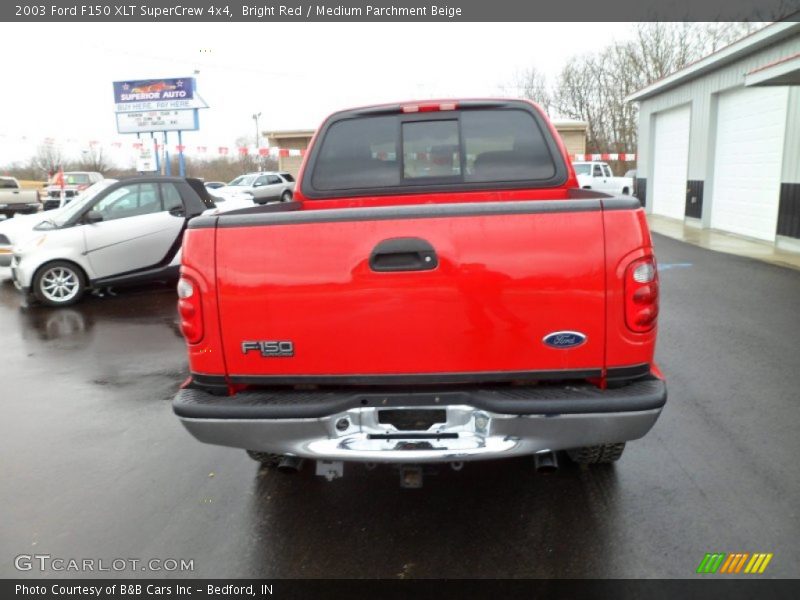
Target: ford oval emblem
[(564, 339)]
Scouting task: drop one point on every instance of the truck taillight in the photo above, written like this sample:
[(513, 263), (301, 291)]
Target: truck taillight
[(190, 310), (641, 294)]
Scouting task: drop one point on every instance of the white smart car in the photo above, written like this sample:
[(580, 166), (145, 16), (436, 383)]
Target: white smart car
[(119, 233)]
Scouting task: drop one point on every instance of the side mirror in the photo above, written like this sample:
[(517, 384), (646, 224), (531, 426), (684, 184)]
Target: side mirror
[(257, 184), (93, 216)]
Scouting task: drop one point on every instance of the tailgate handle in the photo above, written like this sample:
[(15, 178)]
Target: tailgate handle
[(403, 254)]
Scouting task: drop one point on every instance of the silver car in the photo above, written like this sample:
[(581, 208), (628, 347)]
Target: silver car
[(262, 187)]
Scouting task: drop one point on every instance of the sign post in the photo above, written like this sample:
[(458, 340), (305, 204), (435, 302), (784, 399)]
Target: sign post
[(167, 162), (181, 162)]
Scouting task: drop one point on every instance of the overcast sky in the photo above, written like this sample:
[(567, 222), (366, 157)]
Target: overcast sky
[(57, 77)]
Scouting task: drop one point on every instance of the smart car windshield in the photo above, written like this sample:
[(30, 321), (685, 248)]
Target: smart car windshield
[(60, 217)]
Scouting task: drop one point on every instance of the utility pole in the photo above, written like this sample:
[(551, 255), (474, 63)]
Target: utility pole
[(258, 136)]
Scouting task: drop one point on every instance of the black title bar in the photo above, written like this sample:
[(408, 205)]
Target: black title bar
[(309, 589), (286, 11)]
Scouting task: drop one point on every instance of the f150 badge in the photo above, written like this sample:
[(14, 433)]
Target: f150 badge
[(269, 348), (564, 339)]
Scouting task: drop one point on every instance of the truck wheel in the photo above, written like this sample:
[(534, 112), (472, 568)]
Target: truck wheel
[(595, 455), (59, 283), (265, 458), (286, 196)]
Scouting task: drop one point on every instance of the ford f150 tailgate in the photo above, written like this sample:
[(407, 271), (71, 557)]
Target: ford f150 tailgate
[(453, 292)]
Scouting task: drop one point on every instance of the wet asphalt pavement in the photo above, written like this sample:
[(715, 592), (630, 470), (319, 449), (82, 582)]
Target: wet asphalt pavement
[(93, 463)]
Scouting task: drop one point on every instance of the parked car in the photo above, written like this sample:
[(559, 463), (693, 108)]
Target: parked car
[(74, 183), (598, 176), (15, 231), (14, 200), (127, 232), (231, 202), (262, 187), (480, 309)]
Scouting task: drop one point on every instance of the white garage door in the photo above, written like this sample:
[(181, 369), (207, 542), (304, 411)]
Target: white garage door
[(747, 164), (671, 162)]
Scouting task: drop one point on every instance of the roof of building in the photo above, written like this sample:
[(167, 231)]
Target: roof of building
[(290, 133), (567, 125)]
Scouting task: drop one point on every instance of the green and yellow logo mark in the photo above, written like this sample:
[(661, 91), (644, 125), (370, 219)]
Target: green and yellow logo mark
[(734, 563)]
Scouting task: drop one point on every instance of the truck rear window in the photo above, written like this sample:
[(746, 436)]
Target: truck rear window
[(461, 147)]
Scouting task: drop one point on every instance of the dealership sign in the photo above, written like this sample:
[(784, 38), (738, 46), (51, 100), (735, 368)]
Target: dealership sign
[(157, 120), (156, 94)]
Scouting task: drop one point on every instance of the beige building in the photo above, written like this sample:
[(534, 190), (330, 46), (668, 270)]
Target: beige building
[(297, 139), (572, 132), (574, 135)]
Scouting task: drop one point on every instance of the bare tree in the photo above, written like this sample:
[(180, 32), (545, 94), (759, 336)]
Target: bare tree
[(245, 162), (93, 159), (47, 160), (593, 87), (533, 85)]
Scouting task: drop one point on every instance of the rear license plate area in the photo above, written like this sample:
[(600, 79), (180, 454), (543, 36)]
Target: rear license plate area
[(412, 419)]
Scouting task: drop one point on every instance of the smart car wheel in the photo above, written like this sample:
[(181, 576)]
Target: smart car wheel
[(286, 196), (58, 283)]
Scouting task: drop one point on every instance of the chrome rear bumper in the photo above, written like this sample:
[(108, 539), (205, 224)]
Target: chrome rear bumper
[(549, 419)]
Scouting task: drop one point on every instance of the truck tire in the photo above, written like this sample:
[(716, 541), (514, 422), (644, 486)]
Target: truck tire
[(59, 283), (286, 196), (597, 455), (265, 458)]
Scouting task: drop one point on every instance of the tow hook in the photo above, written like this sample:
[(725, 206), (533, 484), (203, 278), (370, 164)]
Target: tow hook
[(411, 476)]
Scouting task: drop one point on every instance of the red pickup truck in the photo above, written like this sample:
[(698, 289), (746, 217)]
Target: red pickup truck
[(440, 290)]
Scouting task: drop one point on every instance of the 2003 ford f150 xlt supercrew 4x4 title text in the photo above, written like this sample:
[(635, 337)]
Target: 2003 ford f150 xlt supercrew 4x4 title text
[(439, 290)]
